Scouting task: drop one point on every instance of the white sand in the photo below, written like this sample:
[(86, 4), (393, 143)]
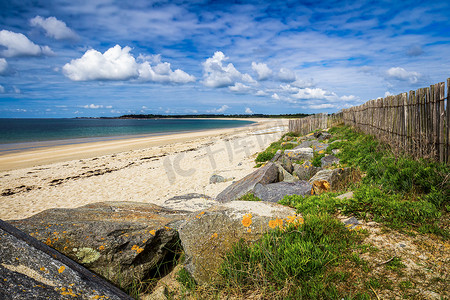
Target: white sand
[(149, 170)]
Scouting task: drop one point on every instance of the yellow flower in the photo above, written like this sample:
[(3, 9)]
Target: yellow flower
[(249, 230), (214, 235), (247, 220), (61, 269), (272, 224), (152, 232), (101, 247)]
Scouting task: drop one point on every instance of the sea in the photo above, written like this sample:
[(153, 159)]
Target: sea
[(22, 134)]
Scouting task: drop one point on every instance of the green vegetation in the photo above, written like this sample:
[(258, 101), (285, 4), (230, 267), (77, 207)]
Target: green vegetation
[(315, 260), (269, 153), (291, 263), (249, 197), (186, 279)]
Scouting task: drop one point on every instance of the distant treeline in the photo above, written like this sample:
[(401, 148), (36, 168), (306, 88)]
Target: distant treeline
[(151, 116)]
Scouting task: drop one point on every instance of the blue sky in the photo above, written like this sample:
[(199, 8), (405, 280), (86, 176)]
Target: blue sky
[(108, 58)]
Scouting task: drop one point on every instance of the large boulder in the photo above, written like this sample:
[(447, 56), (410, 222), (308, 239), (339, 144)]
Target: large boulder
[(328, 179), (313, 144), (329, 160), (305, 153), (208, 235), (305, 171), (274, 192), (264, 175), (189, 202), (121, 241), (284, 175), (30, 269)]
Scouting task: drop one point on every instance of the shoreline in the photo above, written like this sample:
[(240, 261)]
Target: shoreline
[(146, 170), (47, 152)]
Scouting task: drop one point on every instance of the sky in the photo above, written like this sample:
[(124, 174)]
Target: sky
[(108, 58)]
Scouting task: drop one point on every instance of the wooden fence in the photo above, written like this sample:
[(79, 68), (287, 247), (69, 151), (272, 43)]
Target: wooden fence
[(416, 123), (306, 125)]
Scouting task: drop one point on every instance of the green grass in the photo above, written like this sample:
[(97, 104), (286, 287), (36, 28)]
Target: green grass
[(269, 153), (249, 197), (291, 263)]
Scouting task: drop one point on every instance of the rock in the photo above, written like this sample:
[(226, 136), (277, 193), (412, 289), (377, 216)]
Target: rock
[(216, 179), (207, 236), (30, 269), (121, 241), (314, 144), (285, 162), (299, 153), (288, 138), (276, 156), (328, 179), (351, 222), (284, 175), (190, 202), (264, 175), (305, 171), (329, 160), (274, 192), (324, 136), (347, 195)]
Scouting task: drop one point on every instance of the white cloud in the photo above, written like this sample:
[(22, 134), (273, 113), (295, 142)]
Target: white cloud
[(221, 109), (115, 64), (217, 75), (261, 93), (163, 73), (54, 28), (303, 83), (3, 65), (239, 88), (108, 106), (309, 93), (248, 110), (118, 64), (275, 96), (16, 90), (403, 75), (286, 75), (321, 106), (17, 44), (388, 94), (348, 98), (262, 70), (93, 106), (2, 89)]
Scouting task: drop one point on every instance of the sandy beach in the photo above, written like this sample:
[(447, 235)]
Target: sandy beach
[(146, 169)]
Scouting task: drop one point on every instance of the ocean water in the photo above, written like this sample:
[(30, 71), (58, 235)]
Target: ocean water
[(19, 131)]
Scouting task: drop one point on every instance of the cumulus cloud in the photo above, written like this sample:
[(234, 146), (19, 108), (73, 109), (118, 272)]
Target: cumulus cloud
[(248, 110), (348, 98), (2, 89), (303, 83), (403, 75), (217, 75), (262, 70), (221, 109), (309, 93), (163, 73), (54, 28), (3, 65), (118, 64), (17, 44), (261, 93), (275, 96), (239, 88), (321, 106), (93, 106), (286, 75)]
